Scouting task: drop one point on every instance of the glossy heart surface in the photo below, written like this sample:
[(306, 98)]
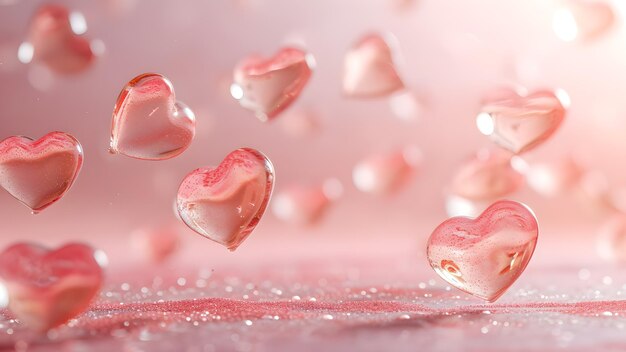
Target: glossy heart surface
[(225, 203), (269, 86), (369, 69), (46, 288), (520, 123), (148, 122), (56, 40), (38, 173), (484, 256)]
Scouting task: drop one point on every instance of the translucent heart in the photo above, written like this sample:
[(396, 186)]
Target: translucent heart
[(582, 19), (306, 205), (300, 123), (226, 203), (269, 86), (487, 176), (56, 39), (553, 178), (148, 122), (38, 173), (611, 240), (369, 69), (156, 244), (484, 256), (384, 173), (520, 123), (46, 288)]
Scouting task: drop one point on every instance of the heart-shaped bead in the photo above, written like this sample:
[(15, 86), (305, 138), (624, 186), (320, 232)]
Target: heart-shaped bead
[(55, 39), (46, 288), (583, 19), (269, 86), (484, 256), (487, 176), (556, 177), (385, 173), (225, 203), (369, 69), (38, 173), (520, 122), (306, 205), (611, 241), (156, 244), (148, 122)]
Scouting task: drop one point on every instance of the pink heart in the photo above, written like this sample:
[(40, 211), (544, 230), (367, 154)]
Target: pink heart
[(269, 86), (486, 176), (519, 122), (54, 42), (557, 177), (385, 173), (306, 205), (369, 69), (48, 287), (584, 19), (225, 204), (611, 240), (148, 122), (484, 256), (156, 244), (38, 173)]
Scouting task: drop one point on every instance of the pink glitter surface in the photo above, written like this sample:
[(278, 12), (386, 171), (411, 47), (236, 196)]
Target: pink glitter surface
[(356, 276)]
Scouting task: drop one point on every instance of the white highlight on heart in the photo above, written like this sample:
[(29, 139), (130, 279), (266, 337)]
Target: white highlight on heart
[(485, 124)]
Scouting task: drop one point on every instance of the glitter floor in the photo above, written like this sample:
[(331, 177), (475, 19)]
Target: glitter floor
[(338, 305)]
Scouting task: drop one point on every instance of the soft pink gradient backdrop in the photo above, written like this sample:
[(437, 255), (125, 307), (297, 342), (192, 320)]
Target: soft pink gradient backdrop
[(452, 53)]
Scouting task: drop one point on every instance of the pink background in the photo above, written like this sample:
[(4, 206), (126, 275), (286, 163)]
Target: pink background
[(452, 52)]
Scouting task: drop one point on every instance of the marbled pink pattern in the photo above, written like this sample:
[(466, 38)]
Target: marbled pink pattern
[(148, 122), (38, 173), (225, 203), (484, 256)]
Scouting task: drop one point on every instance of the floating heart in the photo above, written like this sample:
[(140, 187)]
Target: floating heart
[(386, 172), (225, 203), (304, 205), (55, 39), (148, 122), (369, 69), (38, 173), (488, 175), (47, 288), (269, 86), (583, 19), (557, 177), (611, 241), (484, 256), (520, 123), (156, 244)]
